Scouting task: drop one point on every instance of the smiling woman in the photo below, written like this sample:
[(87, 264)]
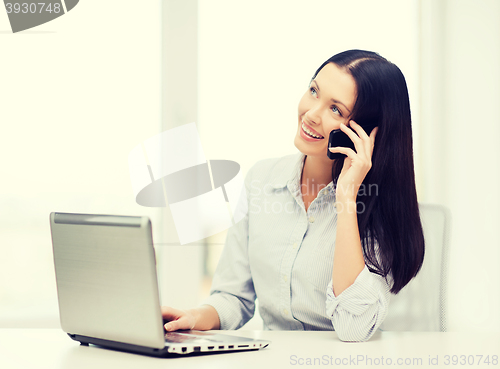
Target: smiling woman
[(313, 233), (391, 215), (321, 110)]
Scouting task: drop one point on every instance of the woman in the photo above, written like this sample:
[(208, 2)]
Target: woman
[(346, 231)]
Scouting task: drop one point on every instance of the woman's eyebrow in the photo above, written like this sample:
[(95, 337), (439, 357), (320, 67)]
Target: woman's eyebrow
[(335, 101)]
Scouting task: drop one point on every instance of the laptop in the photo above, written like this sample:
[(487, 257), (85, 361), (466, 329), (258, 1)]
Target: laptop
[(108, 290)]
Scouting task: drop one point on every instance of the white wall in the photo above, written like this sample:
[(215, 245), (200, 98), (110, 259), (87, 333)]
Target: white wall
[(180, 266), (77, 94), (473, 121), (460, 150)]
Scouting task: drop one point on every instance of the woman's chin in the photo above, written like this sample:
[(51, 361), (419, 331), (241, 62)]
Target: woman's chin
[(306, 149), (301, 145)]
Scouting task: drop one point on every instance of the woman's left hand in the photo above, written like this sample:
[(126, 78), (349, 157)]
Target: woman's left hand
[(356, 164)]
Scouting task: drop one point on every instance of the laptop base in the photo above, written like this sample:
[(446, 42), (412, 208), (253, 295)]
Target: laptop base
[(143, 350), (120, 346)]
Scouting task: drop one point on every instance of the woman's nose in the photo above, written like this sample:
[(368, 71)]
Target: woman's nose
[(313, 116)]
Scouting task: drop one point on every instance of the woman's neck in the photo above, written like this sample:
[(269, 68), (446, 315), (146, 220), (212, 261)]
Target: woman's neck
[(316, 174)]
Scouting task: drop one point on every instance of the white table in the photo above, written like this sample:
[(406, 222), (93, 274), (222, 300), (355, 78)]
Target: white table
[(52, 348)]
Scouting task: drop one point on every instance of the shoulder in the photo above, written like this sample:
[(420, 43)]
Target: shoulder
[(274, 169), (274, 164)]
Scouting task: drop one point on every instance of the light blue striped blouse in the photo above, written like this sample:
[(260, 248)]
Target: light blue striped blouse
[(283, 255)]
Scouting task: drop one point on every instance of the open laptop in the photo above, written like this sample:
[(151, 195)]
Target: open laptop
[(108, 290)]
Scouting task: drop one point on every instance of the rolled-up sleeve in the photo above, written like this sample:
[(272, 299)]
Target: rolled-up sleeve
[(360, 309), (232, 293)]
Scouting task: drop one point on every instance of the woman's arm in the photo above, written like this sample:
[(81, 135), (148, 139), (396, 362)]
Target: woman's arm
[(232, 300), (357, 300), (360, 309), (348, 260), (232, 297)]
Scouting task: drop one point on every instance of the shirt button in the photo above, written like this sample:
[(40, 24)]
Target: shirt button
[(311, 219), (285, 277), (294, 245), (285, 311)]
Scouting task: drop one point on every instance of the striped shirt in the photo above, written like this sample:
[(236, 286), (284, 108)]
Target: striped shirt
[(283, 255)]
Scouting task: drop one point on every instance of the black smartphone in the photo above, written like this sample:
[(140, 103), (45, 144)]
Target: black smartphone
[(339, 138)]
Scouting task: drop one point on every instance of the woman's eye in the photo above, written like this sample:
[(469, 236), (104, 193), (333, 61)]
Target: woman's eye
[(314, 93), (336, 110)]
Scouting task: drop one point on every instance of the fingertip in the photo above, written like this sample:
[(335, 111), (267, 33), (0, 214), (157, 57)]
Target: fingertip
[(336, 148)]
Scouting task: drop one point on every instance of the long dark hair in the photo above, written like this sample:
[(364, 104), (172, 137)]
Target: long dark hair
[(388, 212)]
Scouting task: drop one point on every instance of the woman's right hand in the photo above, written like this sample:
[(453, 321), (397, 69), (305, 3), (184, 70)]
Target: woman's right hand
[(177, 319)]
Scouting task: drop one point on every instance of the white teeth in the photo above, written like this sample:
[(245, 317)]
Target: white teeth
[(309, 132)]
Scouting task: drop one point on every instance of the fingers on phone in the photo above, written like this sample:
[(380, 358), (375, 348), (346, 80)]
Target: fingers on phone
[(343, 150), (359, 130), (353, 136)]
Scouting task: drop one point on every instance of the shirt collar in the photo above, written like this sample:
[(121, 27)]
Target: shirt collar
[(288, 172)]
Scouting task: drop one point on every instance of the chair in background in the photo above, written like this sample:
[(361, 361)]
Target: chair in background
[(421, 304)]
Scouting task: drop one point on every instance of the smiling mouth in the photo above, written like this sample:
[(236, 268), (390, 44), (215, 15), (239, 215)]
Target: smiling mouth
[(311, 134)]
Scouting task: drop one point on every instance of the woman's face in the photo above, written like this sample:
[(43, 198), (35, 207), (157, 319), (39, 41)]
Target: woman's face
[(327, 103)]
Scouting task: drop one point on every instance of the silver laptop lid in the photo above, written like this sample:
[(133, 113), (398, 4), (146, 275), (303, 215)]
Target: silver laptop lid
[(106, 278)]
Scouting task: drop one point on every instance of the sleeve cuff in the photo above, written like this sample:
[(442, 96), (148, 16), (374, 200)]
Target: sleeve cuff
[(224, 305), (358, 297)]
